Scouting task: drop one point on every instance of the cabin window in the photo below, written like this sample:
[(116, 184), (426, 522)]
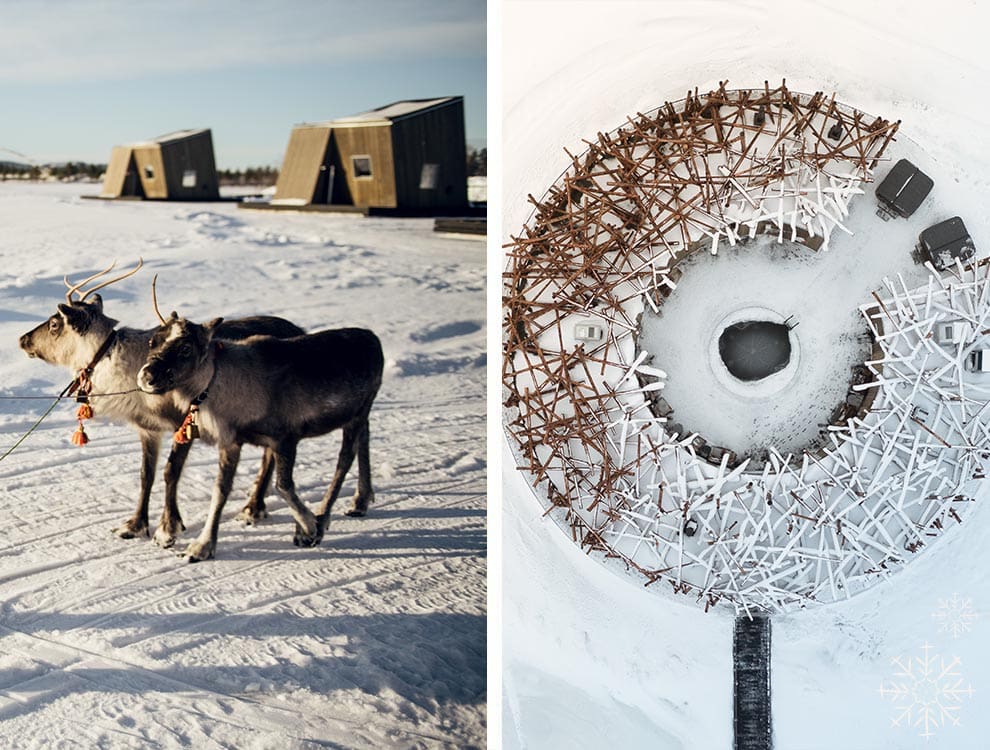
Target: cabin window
[(189, 178), (429, 177), (361, 166), (149, 172)]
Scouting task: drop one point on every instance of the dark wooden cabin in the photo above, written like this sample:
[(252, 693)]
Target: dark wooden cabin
[(176, 166), (406, 155)]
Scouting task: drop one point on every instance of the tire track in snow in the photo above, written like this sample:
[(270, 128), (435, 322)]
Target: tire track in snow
[(279, 583), (163, 579), (194, 623), (124, 550), (94, 660), (82, 652)]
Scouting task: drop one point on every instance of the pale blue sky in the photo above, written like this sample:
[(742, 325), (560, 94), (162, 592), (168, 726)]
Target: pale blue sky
[(78, 76)]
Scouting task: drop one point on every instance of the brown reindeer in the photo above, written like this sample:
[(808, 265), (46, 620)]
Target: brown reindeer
[(270, 392), (81, 337)]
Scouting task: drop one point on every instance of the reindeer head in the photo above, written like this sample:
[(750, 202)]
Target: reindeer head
[(178, 356), (72, 335)]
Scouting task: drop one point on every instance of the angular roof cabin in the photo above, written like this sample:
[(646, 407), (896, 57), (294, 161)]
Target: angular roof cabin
[(406, 155), (175, 166)]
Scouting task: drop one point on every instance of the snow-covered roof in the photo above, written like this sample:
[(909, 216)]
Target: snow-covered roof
[(395, 110), (386, 114), (177, 135)]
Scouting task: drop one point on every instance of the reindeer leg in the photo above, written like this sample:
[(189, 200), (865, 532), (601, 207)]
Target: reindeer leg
[(344, 461), (171, 524), (285, 460), (364, 496), (255, 509), (205, 545), (137, 525)]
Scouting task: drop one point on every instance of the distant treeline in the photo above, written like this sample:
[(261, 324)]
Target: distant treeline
[(261, 176), (75, 169), (477, 164), (72, 170)]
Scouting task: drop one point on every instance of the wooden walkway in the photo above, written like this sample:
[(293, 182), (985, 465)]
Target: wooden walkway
[(751, 688)]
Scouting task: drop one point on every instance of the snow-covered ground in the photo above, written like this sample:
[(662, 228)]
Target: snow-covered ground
[(478, 189), (591, 658), (377, 638)]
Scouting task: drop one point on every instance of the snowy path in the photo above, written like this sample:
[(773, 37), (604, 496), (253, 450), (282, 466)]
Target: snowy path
[(376, 638)]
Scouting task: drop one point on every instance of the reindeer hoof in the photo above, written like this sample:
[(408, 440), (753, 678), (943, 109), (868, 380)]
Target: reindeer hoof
[(198, 551), (251, 516), (361, 504), (163, 538), (132, 529), (309, 533), (303, 538), (167, 533)]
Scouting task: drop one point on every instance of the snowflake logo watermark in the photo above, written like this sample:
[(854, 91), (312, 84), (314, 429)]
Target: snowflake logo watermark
[(926, 692), (954, 615)]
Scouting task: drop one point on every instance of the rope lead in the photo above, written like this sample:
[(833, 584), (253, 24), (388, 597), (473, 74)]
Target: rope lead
[(33, 427)]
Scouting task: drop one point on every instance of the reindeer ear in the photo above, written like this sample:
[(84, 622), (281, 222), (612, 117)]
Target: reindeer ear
[(208, 329), (97, 302), (77, 319)]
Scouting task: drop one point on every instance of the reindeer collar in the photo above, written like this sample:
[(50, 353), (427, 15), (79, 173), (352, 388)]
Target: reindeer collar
[(82, 386), (82, 383), (217, 348), (189, 429)]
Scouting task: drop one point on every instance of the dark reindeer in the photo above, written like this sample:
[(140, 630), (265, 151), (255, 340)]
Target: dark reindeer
[(80, 336), (270, 392)]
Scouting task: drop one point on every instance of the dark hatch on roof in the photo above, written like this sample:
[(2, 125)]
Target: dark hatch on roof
[(946, 241), (904, 188)]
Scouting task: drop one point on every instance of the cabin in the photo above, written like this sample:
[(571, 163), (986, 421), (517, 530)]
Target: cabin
[(406, 155), (903, 190), (175, 166), (952, 332), (944, 243)]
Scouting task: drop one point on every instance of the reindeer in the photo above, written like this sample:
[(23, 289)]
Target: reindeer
[(81, 337), (270, 392)]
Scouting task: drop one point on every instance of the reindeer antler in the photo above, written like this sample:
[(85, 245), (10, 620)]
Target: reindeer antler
[(113, 280), (84, 282), (154, 300)]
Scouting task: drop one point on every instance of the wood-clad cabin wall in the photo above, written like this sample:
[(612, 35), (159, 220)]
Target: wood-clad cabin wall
[(305, 157), (374, 141), (115, 179), (151, 170)]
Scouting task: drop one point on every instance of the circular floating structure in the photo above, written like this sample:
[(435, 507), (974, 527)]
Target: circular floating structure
[(584, 391), (755, 349)]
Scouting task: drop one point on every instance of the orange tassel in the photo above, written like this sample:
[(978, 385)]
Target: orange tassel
[(184, 434), (188, 430), (79, 437), (85, 411)]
